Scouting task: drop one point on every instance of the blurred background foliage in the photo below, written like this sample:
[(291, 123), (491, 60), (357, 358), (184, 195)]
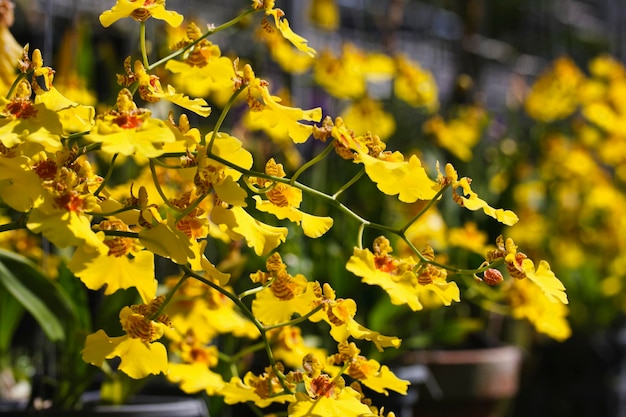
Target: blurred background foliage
[(525, 97)]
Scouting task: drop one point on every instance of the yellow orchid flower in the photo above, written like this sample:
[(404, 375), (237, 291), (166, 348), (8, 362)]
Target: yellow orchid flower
[(283, 53), (282, 24), (261, 390), (459, 134), (289, 347), (139, 351), (238, 224), (283, 202), (20, 185), (203, 68), (130, 130), (74, 117), (140, 10), (24, 121), (194, 374), (94, 269), (469, 199), (339, 314), (150, 89), (264, 105), (285, 295), (331, 402), (367, 371), (397, 277), (529, 301), (213, 175)]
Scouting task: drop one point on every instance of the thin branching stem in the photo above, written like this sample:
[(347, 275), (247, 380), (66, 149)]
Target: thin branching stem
[(318, 158), (208, 33), (107, 177)]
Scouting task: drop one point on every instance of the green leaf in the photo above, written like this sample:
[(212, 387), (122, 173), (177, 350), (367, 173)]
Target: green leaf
[(11, 312), (36, 293)]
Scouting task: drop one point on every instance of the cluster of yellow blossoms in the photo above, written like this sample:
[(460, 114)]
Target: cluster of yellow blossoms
[(195, 188)]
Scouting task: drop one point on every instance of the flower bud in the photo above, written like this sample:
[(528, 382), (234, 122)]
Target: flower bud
[(493, 277)]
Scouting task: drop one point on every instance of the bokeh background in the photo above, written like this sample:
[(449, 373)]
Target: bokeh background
[(553, 151)]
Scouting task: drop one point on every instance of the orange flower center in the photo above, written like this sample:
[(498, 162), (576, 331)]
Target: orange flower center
[(70, 201), (21, 108), (128, 121)]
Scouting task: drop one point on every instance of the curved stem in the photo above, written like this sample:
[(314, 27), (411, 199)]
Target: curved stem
[(454, 270), (254, 188), (425, 209), (311, 191), (18, 224), (204, 36), (142, 43), (121, 233), (297, 320), (360, 236), (223, 114), (245, 351), (17, 82), (311, 162), (250, 316), (169, 296), (349, 183), (113, 213), (107, 176), (157, 185), (191, 207), (252, 291)]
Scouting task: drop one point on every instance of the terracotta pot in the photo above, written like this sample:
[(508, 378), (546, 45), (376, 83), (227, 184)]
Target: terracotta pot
[(468, 383)]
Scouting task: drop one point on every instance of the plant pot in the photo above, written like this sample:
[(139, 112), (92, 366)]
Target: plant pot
[(468, 383), (139, 406)]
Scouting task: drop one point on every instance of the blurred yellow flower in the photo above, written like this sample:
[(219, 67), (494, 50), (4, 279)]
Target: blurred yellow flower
[(368, 115), (415, 85), (140, 10), (554, 95)]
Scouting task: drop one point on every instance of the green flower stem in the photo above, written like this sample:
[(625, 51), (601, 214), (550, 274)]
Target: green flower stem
[(360, 236), (349, 183), (454, 270), (191, 207), (254, 188), (155, 180), (18, 80), (112, 213), (121, 233), (96, 146), (311, 162), (253, 291), (162, 164), (297, 320), (223, 114), (246, 351), (107, 176), (425, 209), (168, 296), (18, 224), (311, 191), (244, 309), (208, 33), (250, 316), (142, 43)]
